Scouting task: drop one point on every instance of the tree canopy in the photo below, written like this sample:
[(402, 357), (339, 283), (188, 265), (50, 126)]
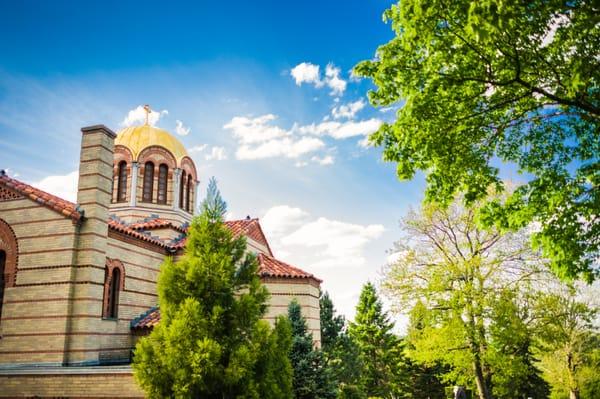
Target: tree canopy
[(211, 341), (492, 82)]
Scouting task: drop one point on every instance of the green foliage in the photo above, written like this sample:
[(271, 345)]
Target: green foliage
[(469, 290), (213, 205), (570, 345), (340, 352), (312, 378), (492, 80), (211, 341), (380, 351)]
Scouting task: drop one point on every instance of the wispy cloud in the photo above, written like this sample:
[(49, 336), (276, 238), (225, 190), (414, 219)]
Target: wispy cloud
[(180, 129), (349, 110), (197, 148), (63, 186), (138, 116), (217, 154), (309, 73)]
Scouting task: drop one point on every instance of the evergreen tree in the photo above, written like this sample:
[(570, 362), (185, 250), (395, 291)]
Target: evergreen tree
[(383, 365), (211, 341), (312, 379), (341, 353)]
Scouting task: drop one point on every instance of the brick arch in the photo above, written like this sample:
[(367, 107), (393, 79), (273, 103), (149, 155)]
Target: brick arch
[(122, 153), (9, 244), (190, 168), (112, 264), (157, 155)]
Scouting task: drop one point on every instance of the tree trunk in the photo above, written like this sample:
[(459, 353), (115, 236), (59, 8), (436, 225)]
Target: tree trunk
[(574, 394), (482, 387)]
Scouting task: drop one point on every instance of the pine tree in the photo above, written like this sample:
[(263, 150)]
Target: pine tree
[(312, 378), (383, 364), (211, 341), (340, 352)]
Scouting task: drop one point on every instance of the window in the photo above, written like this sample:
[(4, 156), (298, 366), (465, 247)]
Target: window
[(113, 283), (2, 267), (122, 183), (188, 197), (162, 183), (148, 182), (181, 189)]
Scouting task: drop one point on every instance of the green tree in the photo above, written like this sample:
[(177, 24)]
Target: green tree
[(482, 81), (472, 286), (339, 350), (211, 341), (383, 365), (570, 345)]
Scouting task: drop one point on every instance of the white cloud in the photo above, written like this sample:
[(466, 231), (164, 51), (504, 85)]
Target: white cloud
[(64, 186), (300, 164), (286, 147), (326, 160), (281, 219), (197, 148), (349, 110), (336, 240), (255, 130), (180, 129), (333, 80), (306, 73), (342, 130), (217, 154), (138, 116), (258, 139)]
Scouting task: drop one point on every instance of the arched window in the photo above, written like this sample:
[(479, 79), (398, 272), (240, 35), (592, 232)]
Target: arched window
[(148, 182), (113, 283), (189, 197), (163, 172), (122, 183), (182, 189), (2, 270)]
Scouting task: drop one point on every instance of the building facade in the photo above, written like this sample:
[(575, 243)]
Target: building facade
[(78, 281)]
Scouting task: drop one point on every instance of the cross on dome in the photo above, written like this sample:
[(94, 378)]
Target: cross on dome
[(148, 110)]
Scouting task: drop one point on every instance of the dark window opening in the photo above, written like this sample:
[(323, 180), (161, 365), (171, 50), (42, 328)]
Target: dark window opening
[(148, 189), (163, 172), (188, 197), (122, 183), (181, 189)]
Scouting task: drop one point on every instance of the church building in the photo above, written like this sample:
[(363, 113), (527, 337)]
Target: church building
[(78, 281)]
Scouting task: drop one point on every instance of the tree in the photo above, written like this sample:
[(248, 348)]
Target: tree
[(570, 346), (472, 286), (339, 350), (312, 378), (380, 351), (211, 341), (518, 82)]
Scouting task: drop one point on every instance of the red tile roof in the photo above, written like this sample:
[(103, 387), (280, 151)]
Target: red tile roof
[(146, 320), (250, 228), (271, 267), (122, 228), (156, 223), (64, 207)]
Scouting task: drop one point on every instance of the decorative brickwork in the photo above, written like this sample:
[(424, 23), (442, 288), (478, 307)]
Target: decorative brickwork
[(8, 195), (190, 169), (8, 244), (157, 155)]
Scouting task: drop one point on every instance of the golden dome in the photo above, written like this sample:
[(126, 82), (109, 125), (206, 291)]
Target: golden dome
[(137, 138)]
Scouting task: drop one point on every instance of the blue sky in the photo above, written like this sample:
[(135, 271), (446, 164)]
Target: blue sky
[(283, 139)]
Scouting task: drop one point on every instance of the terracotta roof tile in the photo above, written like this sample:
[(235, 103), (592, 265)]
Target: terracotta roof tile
[(156, 223), (249, 228), (53, 202), (271, 267), (146, 320), (122, 228)]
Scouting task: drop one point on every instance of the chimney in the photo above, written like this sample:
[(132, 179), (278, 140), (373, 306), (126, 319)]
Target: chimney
[(94, 195)]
